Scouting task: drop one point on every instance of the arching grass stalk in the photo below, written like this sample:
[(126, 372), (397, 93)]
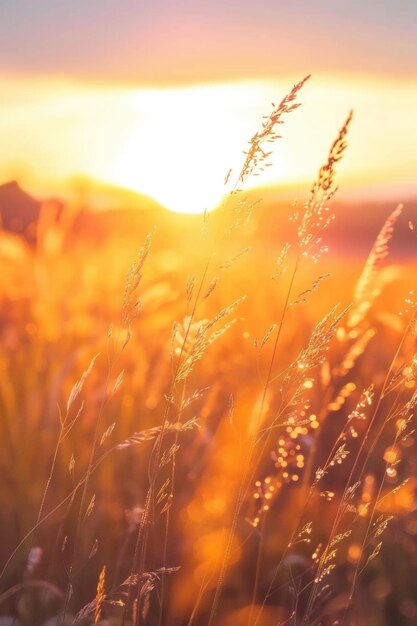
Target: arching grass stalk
[(311, 223), (404, 413), (255, 159), (130, 309), (340, 509)]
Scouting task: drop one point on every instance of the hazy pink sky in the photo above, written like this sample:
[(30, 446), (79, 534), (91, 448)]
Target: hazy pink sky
[(196, 40)]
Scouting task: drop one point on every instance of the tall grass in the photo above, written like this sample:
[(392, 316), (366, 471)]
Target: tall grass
[(238, 445)]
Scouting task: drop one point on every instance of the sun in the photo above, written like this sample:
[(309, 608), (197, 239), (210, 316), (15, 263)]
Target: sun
[(177, 144), (173, 144), (183, 144), (176, 173)]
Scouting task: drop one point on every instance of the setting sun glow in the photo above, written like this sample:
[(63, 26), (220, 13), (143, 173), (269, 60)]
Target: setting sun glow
[(176, 145)]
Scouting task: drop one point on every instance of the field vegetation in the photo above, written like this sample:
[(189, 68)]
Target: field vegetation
[(211, 422)]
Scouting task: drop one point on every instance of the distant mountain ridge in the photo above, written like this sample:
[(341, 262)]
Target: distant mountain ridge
[(354, 230), (19, 212)]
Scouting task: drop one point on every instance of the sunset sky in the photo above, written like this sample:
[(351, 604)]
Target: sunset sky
[(160, 97)]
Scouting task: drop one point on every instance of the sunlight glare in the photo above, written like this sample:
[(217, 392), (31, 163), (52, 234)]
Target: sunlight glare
[(176, 145), (181, 153)]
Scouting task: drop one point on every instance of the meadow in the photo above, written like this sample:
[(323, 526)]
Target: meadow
[(211, 421)]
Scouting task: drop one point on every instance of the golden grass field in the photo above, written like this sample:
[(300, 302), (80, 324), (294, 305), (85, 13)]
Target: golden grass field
[(210, 422)]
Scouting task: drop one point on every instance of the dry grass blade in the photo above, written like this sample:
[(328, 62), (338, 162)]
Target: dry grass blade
[(147, 583), (78, 386), (315, 216), (302, 297), (325, 181), (199, 337), (234, 259), (313, 354), (256, 155), (139, 437), (151, 433), (368, 288), (100, 594), (107, 433), (118, 383), (131, 304)]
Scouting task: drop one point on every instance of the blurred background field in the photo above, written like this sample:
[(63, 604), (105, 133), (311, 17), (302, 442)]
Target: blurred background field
[(62, 287)]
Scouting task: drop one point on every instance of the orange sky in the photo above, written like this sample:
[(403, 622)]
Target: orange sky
[(161, 98)]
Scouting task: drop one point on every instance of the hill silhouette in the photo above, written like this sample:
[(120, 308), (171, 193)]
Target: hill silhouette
[(19, 212), (134, 215)]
